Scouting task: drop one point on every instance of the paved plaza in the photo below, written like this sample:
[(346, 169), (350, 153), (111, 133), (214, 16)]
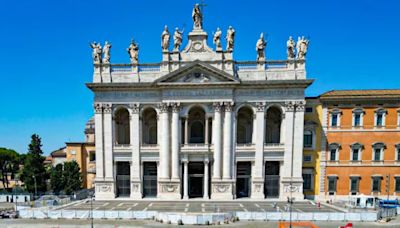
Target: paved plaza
[(198, 206)]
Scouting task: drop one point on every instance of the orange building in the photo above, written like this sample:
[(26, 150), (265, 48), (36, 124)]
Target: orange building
[(361, 131)]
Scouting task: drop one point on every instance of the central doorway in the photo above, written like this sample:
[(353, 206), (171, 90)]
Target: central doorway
[(196, 179), (150, 179), (243, 177), (123, 179), (272, 180)]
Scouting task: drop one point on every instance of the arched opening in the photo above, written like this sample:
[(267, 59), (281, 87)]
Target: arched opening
[(149, 126), (244, 132), (122, 127), (196, 125), (273, 125)]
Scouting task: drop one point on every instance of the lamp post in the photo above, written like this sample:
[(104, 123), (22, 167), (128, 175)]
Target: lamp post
[(91, 209), (34, 178)]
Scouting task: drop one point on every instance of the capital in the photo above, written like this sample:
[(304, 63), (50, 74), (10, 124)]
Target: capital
[(176, 107), (135, 108), (289, 106), (98, 107), (260, 106), (107, 107), (163, 107), (217, 106), (228, 106), (300, 106)]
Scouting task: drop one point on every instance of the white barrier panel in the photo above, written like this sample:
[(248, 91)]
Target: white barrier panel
[(54, 214), (305, 216), (369, 216), (68, 214), (26, 213), (83, 214), (321, 216), (125, 214), (189, 219), (98, 214), (286, 216), (336, 216), (144, 214), (111, 214), (39, 214), (243, 215), (202, 219), (259, 215), (353, 217), (274, 216)]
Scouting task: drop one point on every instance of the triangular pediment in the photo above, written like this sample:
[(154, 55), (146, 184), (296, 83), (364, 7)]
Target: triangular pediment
[(197, 73)]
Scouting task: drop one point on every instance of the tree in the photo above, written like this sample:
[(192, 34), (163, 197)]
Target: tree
[(72, 178), (34, 170), (9, 165), (56, 179)]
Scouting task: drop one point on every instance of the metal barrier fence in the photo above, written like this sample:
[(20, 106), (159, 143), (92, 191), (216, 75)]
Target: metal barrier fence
[(387, 212), (199, 218)]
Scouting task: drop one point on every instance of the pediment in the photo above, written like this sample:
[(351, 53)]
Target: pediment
[(197, 73)]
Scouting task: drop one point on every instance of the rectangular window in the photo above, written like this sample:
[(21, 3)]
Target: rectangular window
[(355, 154), (333, 155), (376, 184), (398, 154), (334, 120), (357, 120), (92, 156), (332, 184), (307, 178), (308, 139), (377, 154), (309, 109), (379, 119), (397, 184), (354, 184), (307, 158)]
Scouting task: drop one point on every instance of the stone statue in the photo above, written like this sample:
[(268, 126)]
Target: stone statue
[(260, 48), (217, 39), (133, 51), (165, 39), (302, 46), (290, 44), (97, 51), (197, 17), (106, 51), (230, 39), (177, 39)]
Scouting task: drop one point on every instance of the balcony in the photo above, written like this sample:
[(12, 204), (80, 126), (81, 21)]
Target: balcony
[(274, 147), (245, 147), (122, 148), (195, 148), (149, 148)]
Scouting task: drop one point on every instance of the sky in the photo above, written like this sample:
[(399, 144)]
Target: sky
[(45, 58)]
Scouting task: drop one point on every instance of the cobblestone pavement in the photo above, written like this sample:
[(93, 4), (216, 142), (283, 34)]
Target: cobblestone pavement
[(197, 206), (26, 223)]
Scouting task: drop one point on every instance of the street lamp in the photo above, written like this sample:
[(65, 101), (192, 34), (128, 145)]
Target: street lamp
[(34, 178), (91, 209)]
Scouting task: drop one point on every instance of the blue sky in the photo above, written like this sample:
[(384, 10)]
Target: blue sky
[(45, 59)]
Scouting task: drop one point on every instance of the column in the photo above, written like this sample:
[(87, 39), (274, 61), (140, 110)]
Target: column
[(205, 185), (258, 168), (260, 133), (227, 169), (289, 124), (186, 130), (136, 183), (98, 121), (185, 180), (298, 139), (164, 144), (216, 128), (175, 141), (108, 145), (206, 131)]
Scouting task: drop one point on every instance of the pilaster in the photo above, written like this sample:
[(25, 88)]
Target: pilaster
[(136, 183), (258, 174)]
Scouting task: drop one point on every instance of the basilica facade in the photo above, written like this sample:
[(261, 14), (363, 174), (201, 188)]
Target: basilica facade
[(199, 124)]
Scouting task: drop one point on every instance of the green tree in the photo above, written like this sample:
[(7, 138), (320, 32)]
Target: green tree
[(9, 165), (56, 179), (34, 170), (72, 178)]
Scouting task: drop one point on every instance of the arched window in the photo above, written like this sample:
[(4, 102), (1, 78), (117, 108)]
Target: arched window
[(122, 127), (149, 126), (273, 125), (196, 124), (244, 132)]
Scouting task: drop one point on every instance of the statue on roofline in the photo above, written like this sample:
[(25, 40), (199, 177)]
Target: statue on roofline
[(197, 17), (260, 48), (290, 44), (230, 39), (97, 52), (165, 39), (302, 46), (177, 39), (106, 51), (217, 39), (133, 51)]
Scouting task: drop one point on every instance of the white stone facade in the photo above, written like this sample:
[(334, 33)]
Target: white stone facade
[(202, 119)]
